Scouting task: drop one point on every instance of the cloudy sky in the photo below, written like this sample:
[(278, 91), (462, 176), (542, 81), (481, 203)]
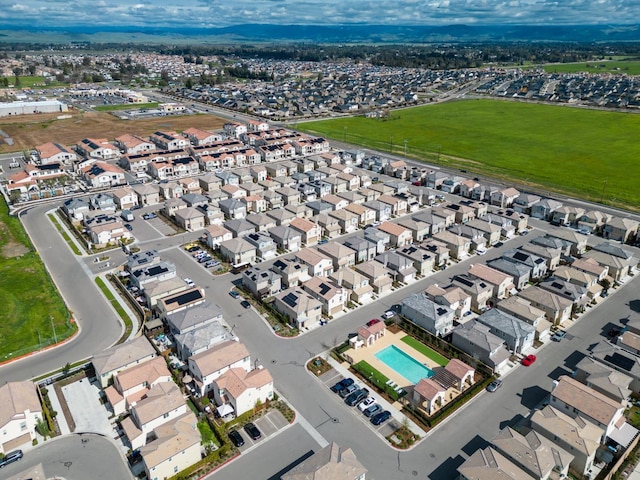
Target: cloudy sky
[(218, 13)]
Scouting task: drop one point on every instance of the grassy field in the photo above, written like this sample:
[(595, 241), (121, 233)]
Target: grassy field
[(426, 351), (33, 314), (125, 106), (630, 67), (28, 131), (588, 153), (35, 82)]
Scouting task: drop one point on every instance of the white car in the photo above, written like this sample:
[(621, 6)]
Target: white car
[(366, 403), (388, 314), (189, 282)]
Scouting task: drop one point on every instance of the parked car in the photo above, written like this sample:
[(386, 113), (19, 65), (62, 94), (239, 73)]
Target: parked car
[(245, 304), (366, 403), (372, 410), (192, 248), (528, 360), (236, 438), (149, 216), (323, 241), (356, 397), (234, 294), (495, 385), (558, 335), (345, 392), (380, 418), (388, 314), (342, 384), (498, 244), (128, 226), (11, 457), (372, 322), (211, 264), (252, 431), (205, 259)]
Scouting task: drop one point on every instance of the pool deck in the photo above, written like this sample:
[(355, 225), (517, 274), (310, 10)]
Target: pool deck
[(368, 355)]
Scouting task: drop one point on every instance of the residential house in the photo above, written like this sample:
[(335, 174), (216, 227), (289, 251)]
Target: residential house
[(488, 463), (233, 208), (329, 225), (365, 215), (169, 140), (201, 338), (604, 379), (228, 178), (50, 153), (156, 290), (319, 264), (302, 310), (517, 334), (265, 246), (347, 221), (286, 238), (439, 250), (241, 390), (382, 210), (525, 202), (550, 255), (580, 278), (309, 230), (629, 341), (332, 462), (340, 255), (292, 273), (566, 215), (357, 284), (99, 148), (289, 196), (569, 395), (533, 453), (190, 219), (148, 194), (194, 199), (398, 235), (423, 260), (180, 301), (151, 272), (476, 340), (21, 412), (576, 294), (614, 356), (621, 229), (507, 229), (261, 283), (452, 297), (502, 283), (463, 213), (282, 217), (332, 296), (591, 267), (261, 222), (419, 230), (365, 249), (523, 309), (121, 357), (537, 265), (397, 203), (259, 173), (619, 266), (476, 237), (190, 319), (377, 275), (216, 234), (380, 238), (176, 446), (491, 231), (577, 241), (592, 222), (125, 198), (102, 174), (207, 366), (504, 198), (570, 432), (480, 291), (544, 208), (433, 317), (458, 246), (238, 251), (556, 308), (75, 208), (209, 182), (400, 267), (172, 205), (106, 231), (520, 273)]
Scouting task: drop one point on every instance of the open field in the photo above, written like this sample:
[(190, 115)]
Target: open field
[(29, 131), (31, 305), (35, 82), (125, 106), (588, 153), (630, 67)]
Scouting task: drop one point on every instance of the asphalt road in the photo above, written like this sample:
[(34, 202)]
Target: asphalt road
[(74, 457)]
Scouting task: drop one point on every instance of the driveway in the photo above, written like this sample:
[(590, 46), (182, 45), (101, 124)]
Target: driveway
[(268, 425), (89, 414)]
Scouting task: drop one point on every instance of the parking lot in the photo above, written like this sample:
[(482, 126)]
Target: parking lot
[(269, 424), (161, 226)]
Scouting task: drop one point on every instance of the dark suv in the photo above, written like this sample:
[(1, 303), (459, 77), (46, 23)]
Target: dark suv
[(11, 457), (342, 384), (356, 397), (236, 438)]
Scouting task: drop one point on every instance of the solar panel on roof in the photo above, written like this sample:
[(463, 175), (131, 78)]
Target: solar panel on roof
[(521, 256), (157, 270), (186, 297), (324, 288), (290, 299)]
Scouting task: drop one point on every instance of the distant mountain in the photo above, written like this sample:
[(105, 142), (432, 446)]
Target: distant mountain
[(357, 33)]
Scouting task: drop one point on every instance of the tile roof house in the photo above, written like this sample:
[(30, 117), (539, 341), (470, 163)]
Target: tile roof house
[(578, 399), (604, 379), (184, 321), (21, 411), (310, 231), (121, 357), (51, 152), (340, 255), (216, 234), (520, 273), (207, 366), (358, 285), (365, 215), (535, 454), (557, 309), (489, 464), (201, 338), (292, 272), (365, 250), (537, 265), (453, 297), (176, 446), (571, 433), (618, 267), (242, 390), (476, 339), (266, 248), (550, 255), (319, 264), (190, 219), (102, 174), (501, 282), (399, 236), (378, 276), (332, 296), (238, 251), (299, 307), (329, 463), (428, 395), (517, 334), (433, 317), (480, 291)]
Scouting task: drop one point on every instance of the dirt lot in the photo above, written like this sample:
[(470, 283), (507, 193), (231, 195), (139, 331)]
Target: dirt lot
[(28, 131)]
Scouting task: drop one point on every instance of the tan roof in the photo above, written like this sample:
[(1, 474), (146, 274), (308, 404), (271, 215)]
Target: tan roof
[(220, 356), (393, 229), (302, 224), (585, 400), (450, 238), (458, 368), (217, 230), (322, 287), (171, 439), (629, 339), (147, 372), (311, 256), (488, 274), (121, 355), (16, 398), (357, 208), (488, 464), (589, 265), (50, 149), (162, 398), (330, 463), (237, 380), (581, 435), (107, 167), (428, 389), (197, 133), (131, 140)]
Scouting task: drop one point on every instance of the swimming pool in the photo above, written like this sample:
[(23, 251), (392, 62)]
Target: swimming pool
[(404, 364)]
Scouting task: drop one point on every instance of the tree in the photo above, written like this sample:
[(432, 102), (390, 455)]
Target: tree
[(189, 83)]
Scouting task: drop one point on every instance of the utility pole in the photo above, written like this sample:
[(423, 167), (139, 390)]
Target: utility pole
[(55, 337)]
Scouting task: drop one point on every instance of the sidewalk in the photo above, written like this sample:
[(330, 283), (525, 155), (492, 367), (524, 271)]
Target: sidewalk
[(64, 227), (125, 306), (55, 404)]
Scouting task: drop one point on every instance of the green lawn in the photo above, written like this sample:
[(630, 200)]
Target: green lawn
[(29, 81), (375, 377), (630, 67), (64, 234), (426, 351), (125, 106), (557, 148), (128, 324), (33, 314)]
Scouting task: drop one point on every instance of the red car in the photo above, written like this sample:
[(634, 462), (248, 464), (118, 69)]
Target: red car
[(528, 360), (372, 322)]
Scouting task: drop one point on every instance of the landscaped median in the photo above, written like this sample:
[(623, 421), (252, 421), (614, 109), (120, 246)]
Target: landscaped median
[(74, 248), (128, 324)]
